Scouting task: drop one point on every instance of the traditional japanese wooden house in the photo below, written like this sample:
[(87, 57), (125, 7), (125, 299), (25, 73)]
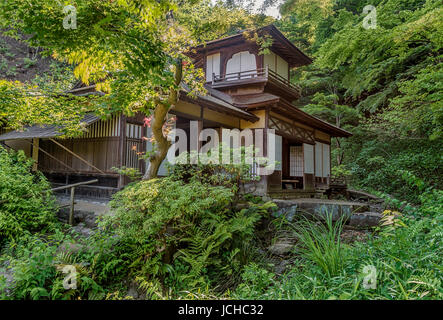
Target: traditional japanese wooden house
[(260, 85), (246, 90)]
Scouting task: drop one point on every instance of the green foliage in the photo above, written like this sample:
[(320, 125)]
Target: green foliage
[(384, 85), (59, 78), (26, 204), (131, 173), (320, 243), (394, 67), (184, 235), (379, 164), (232, 176), (406, 255), (28, 63), (24, 105), (37, 263), (256, 280), (33, 269)]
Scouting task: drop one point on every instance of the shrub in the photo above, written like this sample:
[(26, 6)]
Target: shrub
[(36, 263), (406, 255), (320, 243), (26, 204), (184, 235), (234, 175)]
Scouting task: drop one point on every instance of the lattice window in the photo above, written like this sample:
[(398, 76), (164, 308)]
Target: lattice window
[(134, 145), (296, 161), (104, 128), (134, 131)]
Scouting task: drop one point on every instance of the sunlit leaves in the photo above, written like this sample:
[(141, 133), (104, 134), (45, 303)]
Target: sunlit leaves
[(23, 105)]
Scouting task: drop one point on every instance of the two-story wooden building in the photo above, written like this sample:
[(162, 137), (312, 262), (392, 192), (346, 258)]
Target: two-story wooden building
[(246, 90), (259, 84)]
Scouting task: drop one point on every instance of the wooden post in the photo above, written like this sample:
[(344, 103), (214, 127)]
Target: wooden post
[(195, 129), (71, 210), (122, 149), (35, 147)]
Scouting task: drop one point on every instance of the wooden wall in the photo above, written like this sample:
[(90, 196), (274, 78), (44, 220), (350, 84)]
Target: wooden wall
[(100, 146), (100, 152)]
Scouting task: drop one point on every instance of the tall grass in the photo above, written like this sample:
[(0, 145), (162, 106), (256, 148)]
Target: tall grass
[(319, 242)]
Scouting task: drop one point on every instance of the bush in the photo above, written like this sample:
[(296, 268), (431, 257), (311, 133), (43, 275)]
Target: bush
[(320, 243), (380, 165), (26, 205), (185, 235), (37, 263), (406, 254)]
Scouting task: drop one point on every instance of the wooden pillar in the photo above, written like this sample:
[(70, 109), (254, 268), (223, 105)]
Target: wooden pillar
[(196, 128), (35, 147), (71, 208), (122, 149)]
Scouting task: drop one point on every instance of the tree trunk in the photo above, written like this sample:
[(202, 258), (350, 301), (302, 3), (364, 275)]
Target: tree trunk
[(162, 144)]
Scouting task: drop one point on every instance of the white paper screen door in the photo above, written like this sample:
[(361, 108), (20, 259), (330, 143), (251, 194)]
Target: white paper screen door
[(296, 161)]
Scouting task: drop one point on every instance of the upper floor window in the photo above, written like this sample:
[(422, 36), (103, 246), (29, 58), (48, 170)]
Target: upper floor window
[(212, 66), (243, 62), (277, 64)]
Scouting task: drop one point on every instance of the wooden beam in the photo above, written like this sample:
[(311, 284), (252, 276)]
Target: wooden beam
[(76, 155), (51, 156)]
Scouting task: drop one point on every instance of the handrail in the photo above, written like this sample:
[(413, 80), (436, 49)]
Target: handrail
[(72, 203), (265, 73), (74, 185)]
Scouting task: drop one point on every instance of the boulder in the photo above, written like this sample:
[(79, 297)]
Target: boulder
[(281, 248), (365, 219)]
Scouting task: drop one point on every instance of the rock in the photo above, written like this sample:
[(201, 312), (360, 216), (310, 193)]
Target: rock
[(89, 218), (281, 248), (281, 267), (83, 230), (365, 219), (133, 292), (69, 247)]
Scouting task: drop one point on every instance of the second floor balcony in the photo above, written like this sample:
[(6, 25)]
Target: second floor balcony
[(272, 81)]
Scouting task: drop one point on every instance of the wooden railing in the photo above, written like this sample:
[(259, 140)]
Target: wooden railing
[(264, 73), (72, 202)]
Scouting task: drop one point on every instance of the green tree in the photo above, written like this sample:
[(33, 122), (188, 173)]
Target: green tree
[(134, 51)]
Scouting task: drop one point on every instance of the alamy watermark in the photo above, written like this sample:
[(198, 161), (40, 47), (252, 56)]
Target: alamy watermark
[(70, 21), (370, 20), (370, 277), (70, 280), (225, 146)]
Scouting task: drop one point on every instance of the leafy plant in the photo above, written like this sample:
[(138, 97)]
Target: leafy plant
[(28, 63), (319, 242), (182, 235), (26, 203)]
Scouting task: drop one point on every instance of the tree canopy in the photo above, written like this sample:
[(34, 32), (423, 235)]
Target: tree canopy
[(134, 51)]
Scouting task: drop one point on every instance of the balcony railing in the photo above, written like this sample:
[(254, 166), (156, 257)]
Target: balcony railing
[(263, 73)]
